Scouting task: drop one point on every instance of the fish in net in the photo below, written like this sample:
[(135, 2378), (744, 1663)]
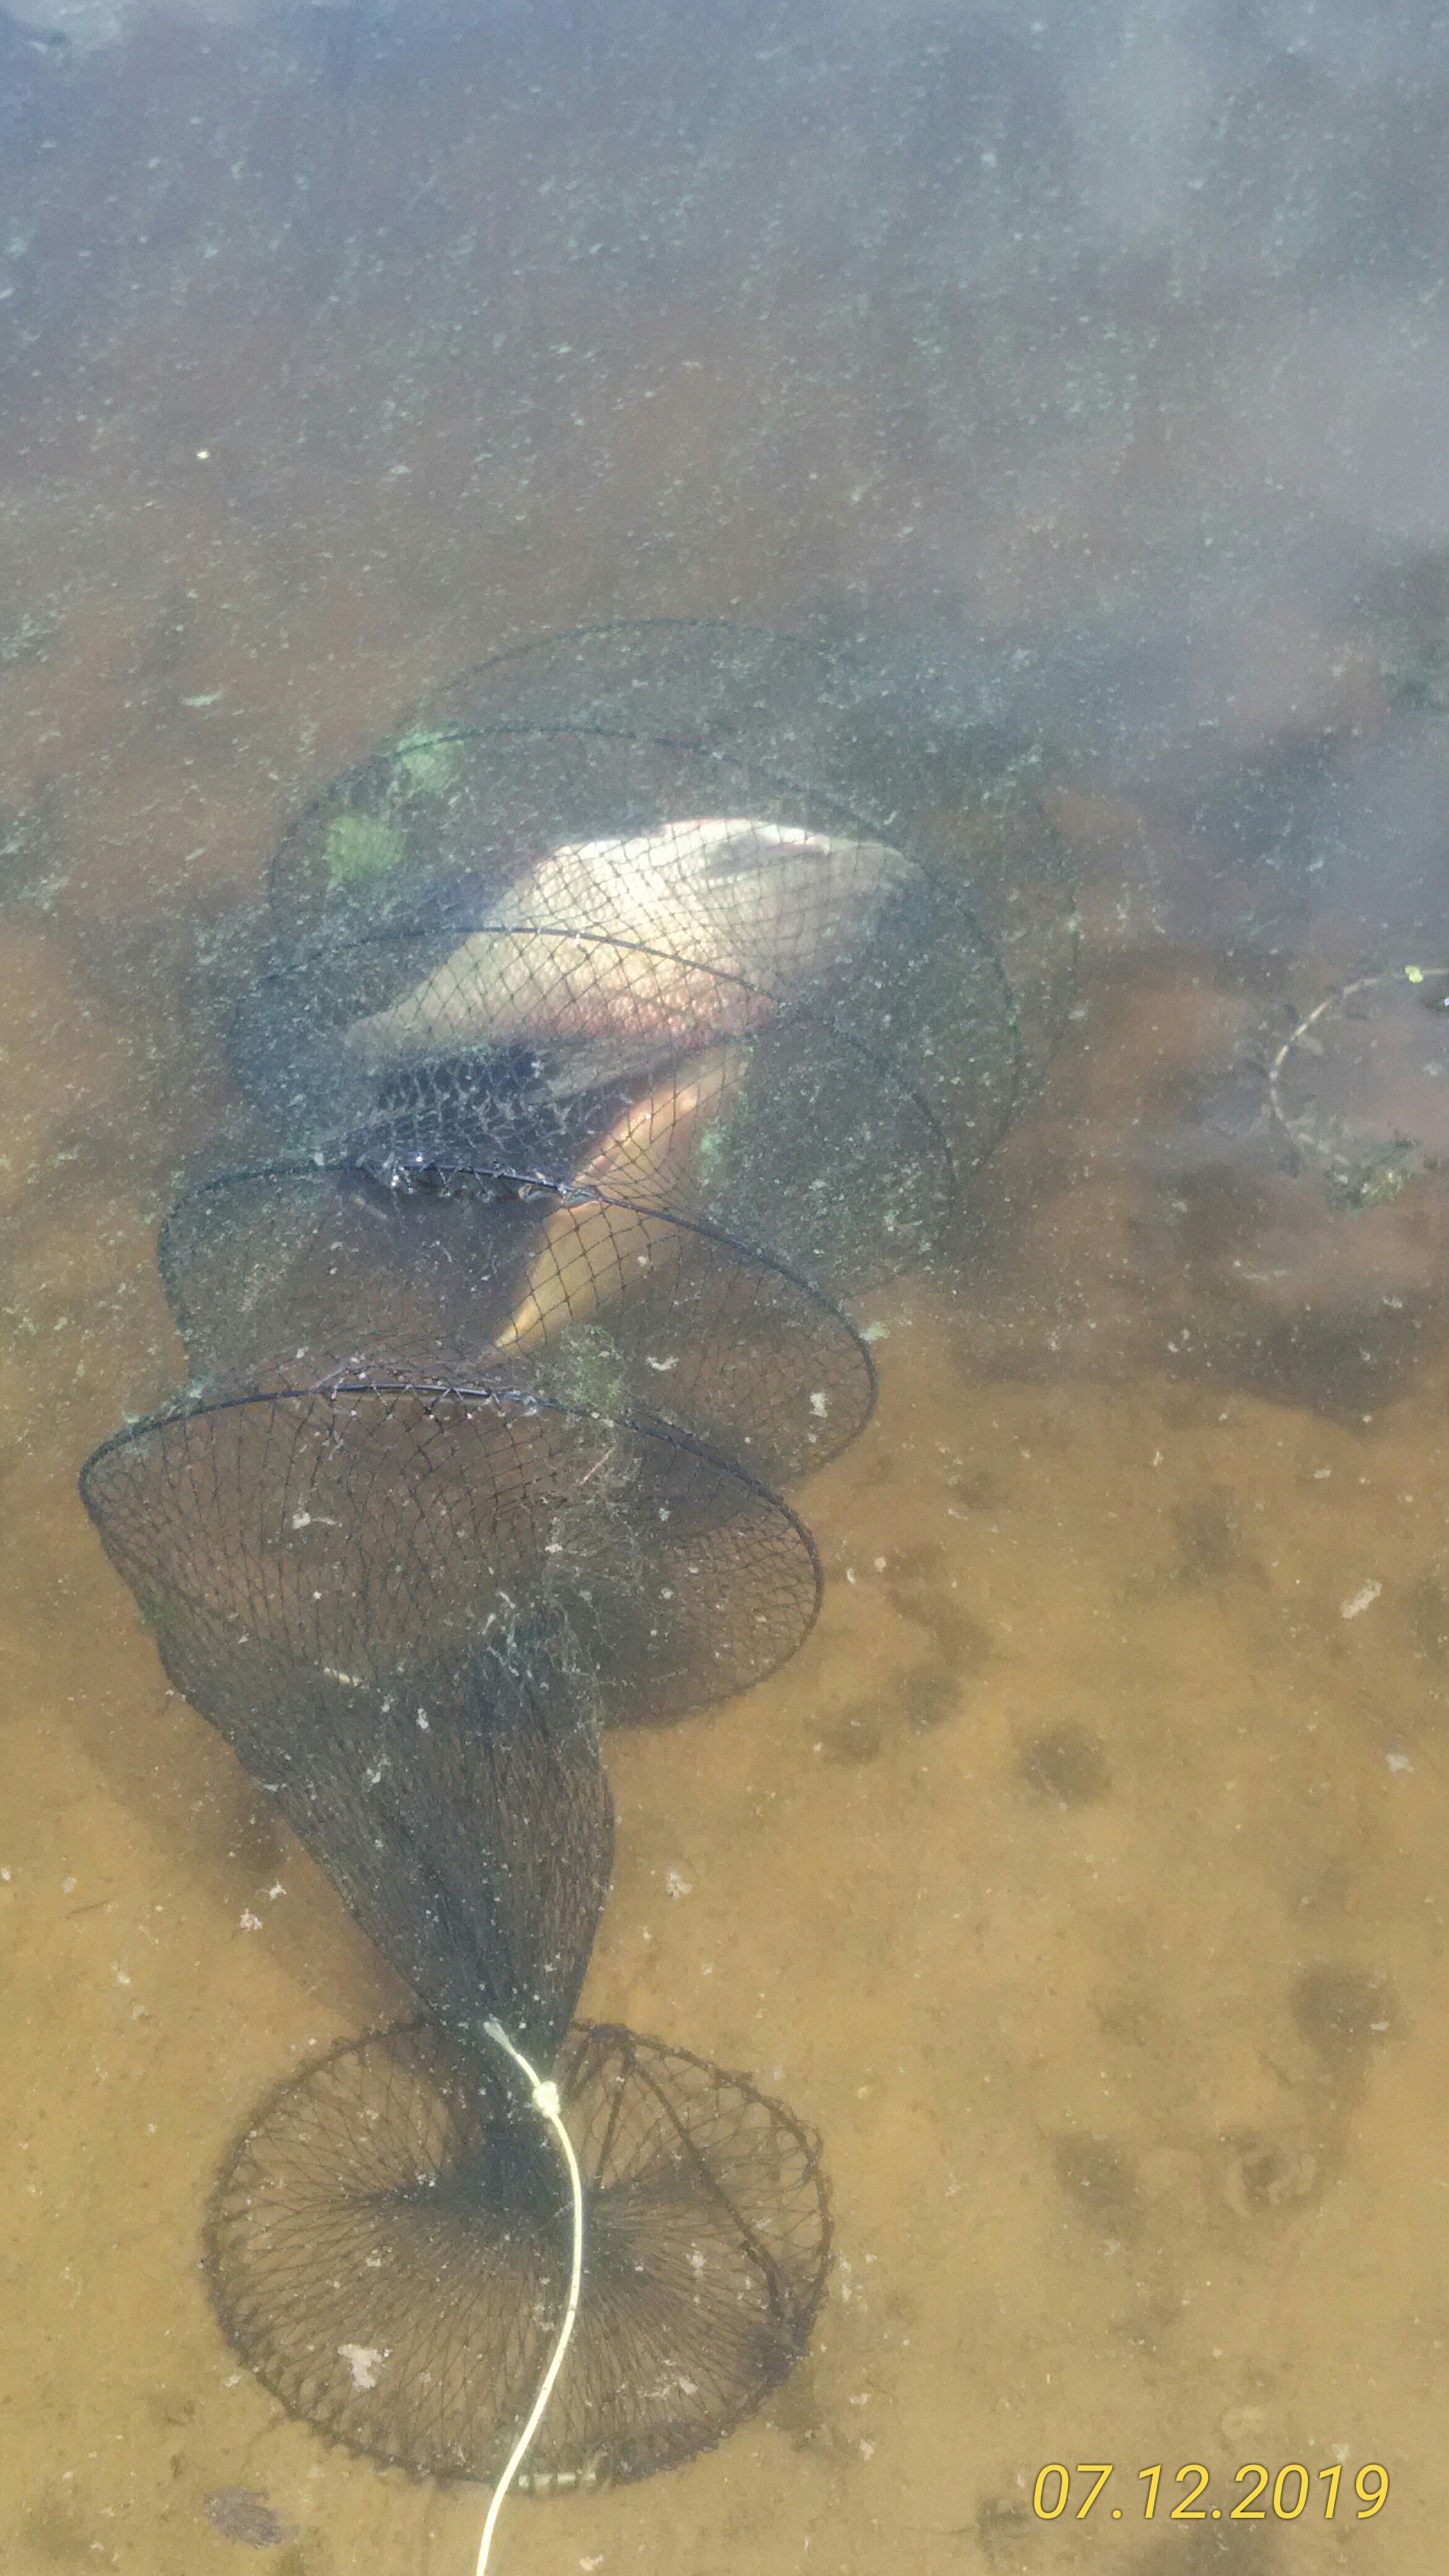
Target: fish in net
[(737, 912), (863, 976), (798, 1140), (889, 730), (609, 1031)]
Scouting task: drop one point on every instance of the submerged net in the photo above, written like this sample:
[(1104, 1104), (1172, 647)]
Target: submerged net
[(598, 1049), (384, 1531), (784, 1124), (695, 917), (589, 1299), (629, 724), (389, 2247)]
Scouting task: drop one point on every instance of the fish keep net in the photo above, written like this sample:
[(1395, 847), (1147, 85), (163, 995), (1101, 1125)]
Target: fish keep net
[(655, 994)]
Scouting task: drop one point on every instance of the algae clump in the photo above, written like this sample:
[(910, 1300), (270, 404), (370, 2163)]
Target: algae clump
[(358, 848)]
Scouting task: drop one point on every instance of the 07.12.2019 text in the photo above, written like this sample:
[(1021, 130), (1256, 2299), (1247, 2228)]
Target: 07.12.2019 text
[(1281, 2497)]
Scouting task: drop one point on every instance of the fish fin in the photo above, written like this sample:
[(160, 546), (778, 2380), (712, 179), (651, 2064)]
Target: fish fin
[(526, 1326)]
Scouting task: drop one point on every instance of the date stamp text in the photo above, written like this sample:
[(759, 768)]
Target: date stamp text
[(1266, 2494)]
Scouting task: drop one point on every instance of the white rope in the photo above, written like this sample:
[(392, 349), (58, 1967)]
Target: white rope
[(546, 2103)]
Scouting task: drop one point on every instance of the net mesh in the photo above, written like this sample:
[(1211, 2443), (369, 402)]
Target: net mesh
[(798, 1139), (390, 2251), (597, 1047), (383, 1530), (700, 680), (608, 735), (589, 1299)]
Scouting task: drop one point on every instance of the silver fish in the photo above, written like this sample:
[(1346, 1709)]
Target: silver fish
[(691, 932)]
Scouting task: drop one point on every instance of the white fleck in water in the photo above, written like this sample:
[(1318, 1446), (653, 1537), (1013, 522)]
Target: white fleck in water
[(364, 2360)]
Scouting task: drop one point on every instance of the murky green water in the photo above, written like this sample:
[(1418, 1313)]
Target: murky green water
[(1083, 1877)]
